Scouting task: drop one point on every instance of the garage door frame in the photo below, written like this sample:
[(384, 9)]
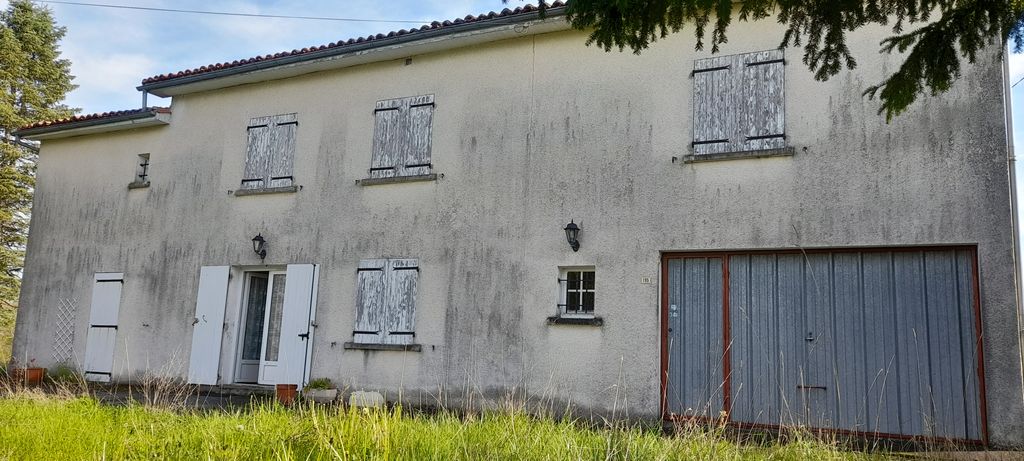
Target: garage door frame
[(726, 400)]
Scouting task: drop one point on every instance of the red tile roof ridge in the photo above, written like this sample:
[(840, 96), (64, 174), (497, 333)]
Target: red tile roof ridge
[(505, 13), (96, 116)]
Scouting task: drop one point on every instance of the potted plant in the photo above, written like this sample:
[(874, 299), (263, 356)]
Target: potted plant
[(286, 393), (320, 390), (29, 375)]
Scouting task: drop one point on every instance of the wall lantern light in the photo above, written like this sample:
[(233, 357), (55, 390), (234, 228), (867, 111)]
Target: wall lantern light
[(259, 245), (572, 232)]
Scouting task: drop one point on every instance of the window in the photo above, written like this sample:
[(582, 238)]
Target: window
[(739, 103), (401, 137), (577, 292), (141, 172), (270, 152), (386, 301)]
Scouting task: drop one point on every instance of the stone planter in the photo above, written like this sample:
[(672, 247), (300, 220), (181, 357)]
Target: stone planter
[(320, 395)]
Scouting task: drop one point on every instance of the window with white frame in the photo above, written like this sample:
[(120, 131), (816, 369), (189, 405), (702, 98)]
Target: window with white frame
[(270, 152), (386, 301), (577, 297), (739, 103), (401, 137)]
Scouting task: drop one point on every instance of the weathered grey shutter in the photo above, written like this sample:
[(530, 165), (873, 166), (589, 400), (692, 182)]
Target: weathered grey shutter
[(713, 108), (401, 301), (257, 153), (388, 142), (421, 114), (283, 150), (370, 307), (762, 120)]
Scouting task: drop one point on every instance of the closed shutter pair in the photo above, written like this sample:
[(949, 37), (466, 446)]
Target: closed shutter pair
[(386, 301), (401, 137), (270, 152), (739, 103)]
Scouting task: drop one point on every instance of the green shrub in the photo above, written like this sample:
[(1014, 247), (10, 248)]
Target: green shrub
[(320, 383)]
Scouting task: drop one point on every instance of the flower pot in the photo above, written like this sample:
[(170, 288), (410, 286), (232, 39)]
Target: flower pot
[(286, 393), (28, 376), (324, 396)]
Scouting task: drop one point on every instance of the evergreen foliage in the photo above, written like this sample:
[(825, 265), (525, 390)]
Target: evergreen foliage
[(33, 82), (935, 34)]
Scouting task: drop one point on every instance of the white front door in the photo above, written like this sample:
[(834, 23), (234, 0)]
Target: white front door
[(288, 325), (253, 317), (100, 342), (270, 351)]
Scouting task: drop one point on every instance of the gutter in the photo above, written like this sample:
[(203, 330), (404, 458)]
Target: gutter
[(1011, 161), (133, 120), (353, 49)]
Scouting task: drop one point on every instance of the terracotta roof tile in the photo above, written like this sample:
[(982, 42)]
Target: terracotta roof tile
[(99, 116), (505, 13)]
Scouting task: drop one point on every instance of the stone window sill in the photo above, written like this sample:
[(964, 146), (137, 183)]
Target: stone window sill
[(384, 347), (578, 321), (735, 155), (138, 185), (267, 190), (396, 179)]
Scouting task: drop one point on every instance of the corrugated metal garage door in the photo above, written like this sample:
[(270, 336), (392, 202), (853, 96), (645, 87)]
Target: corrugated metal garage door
[(867, 341)]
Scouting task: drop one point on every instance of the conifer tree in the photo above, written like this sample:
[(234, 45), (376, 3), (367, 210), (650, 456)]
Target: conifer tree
[(935, 34), (33, 82)]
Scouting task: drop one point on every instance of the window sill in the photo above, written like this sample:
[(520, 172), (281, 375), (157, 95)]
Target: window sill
[(267, 190), (736, 155), (396, 179), (384, 347), (138, 185), (582, 321)]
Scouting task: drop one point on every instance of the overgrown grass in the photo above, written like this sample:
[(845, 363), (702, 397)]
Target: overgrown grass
[(38, 426), (7, 315)]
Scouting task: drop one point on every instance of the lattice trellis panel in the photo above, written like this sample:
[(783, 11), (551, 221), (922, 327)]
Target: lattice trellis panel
[(64, 331)]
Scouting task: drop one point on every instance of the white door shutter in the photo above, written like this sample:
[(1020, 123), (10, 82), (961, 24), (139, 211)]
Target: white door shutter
[(399, 322), (388, 139), (762, 123), (208, 325), (296, 323), (257, 153), (100, 342), (282, 150), (421, 114), (370, 292), (713, 107)]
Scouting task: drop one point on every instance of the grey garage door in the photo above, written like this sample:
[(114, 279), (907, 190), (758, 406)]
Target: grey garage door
[(866, 341)]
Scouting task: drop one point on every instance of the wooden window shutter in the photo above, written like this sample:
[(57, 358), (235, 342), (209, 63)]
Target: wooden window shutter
[(371, 290), (401, 301), (763, 121), (713, 107), (388, 142), (283, 150), (421, 114), (257, 153)]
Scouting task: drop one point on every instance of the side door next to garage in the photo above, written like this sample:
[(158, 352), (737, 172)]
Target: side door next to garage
[(870, 341)]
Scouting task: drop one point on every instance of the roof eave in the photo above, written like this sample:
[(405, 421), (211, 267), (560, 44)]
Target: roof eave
[(98, 125), (421, 42)]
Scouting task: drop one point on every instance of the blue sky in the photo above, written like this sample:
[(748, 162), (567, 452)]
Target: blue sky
[(112, 50)]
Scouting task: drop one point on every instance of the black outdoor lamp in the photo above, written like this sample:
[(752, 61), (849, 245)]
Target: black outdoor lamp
[(572, 231), (259, 245)]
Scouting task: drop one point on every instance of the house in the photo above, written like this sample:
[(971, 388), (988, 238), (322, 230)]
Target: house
[(391, 212)]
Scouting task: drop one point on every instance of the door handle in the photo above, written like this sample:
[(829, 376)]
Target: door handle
[(304, 335)]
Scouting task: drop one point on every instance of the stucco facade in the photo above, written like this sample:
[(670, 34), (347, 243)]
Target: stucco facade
[(528, 133)]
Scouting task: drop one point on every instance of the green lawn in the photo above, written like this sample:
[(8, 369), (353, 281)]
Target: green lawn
[(37, 426)]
